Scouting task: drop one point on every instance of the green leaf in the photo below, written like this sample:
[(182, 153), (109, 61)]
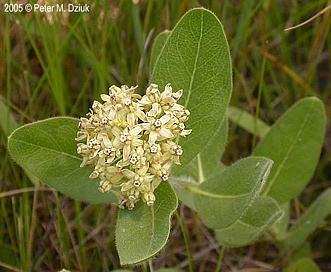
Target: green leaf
[(247, 121), (196, 58), (224, 198), (159, 42), (202, 167), (303, 265), (142, 232), (7, 121), (260, 215), (294, 144), (47, 149), (279, 229), (208, 162), (8, 124), (302, 251), (181, 184), (309, 221)]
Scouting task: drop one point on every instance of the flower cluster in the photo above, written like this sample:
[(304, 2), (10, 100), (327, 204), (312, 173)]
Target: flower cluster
[(130, 141)]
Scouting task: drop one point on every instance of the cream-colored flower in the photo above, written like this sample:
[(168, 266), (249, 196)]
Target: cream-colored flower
[(149, 198), (139, 178), (157, 128), (129, 141), (172, 151)]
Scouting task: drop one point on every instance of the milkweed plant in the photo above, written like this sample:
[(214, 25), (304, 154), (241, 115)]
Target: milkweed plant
[(130, 141), (144, 152)]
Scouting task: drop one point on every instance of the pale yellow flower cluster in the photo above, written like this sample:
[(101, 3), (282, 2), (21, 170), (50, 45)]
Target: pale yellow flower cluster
[(130, 141)]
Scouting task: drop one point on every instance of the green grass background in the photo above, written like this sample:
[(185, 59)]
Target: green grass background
[(57, 64)]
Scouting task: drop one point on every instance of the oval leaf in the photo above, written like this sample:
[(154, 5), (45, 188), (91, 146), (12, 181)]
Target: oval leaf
[(158, 44), (47, 149), (224, 198), (7, 121), (206, 164), (280, 228), (260, 215), (294, 144), (196, 58), (142, 232), (247, 121), (309, 221), (303, 265)]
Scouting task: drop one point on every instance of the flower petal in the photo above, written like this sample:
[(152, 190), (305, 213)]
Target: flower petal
[(145, 101), (131, 119), (178, 94), (128, 173), (166, 133), (152, 137), (141, 115), (137, 142), (114, 179), (136, 130), (185, 132), (149, 178), (105, 97), (106, 140), (165, 119), (143, 170), (167, 91), (126, 186), (126, 152)]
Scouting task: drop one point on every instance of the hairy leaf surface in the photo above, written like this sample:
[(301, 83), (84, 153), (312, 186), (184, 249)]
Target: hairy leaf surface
[(196, 58), (259, 216), (294, 144), (142, 232), (206, 164), (310, 220), (224, 198), (47, 149)]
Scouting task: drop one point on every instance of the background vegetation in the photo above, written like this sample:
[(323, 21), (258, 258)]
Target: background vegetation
[(57, 64)]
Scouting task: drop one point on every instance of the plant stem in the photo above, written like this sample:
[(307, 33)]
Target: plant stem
[(185, 241), (220, 259), (151, 268)]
